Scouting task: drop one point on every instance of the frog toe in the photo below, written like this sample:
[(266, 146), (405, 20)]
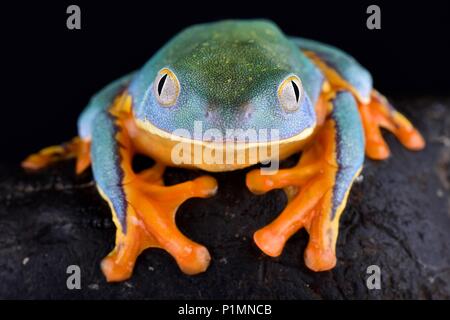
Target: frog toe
[(270, 241), (323, 228), (197, 261), (119, 264), (411, 138), (376, 147), (113, 271), (377, 114), (319, 259), (204, 187), (259, 183)]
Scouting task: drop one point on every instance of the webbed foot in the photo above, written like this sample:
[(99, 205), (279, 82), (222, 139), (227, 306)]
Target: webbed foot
[(380, 114), (308, 185), (76, 148), (150, 222)]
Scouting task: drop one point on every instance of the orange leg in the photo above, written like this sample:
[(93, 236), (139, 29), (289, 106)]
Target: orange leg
[(76, 148), (321, 181), (151, 223), (380, 114), (304, 209)]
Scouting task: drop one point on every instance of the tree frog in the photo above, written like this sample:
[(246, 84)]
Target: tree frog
[(240, 75)]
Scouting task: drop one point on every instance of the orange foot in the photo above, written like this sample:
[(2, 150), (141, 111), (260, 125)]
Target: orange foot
[(309, 186), (380, 114), (76, 148), (151, 223)]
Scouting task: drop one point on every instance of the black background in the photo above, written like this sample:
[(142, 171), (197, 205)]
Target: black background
[(49, 72)]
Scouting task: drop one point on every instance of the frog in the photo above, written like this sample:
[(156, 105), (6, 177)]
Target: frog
[(238, 74)]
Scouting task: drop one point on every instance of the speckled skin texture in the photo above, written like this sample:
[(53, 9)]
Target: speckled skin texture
[(106, 164), (349, 144), (229, 72), (100, 102)]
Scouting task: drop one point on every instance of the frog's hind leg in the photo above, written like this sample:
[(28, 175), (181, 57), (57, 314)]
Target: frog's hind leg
[(378, 113), (76, 148), (343, 72), (323, 178)]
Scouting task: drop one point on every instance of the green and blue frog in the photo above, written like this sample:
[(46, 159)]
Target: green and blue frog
[(239, 75)]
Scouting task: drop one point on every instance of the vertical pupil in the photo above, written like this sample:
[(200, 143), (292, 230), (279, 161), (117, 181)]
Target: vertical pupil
[(296, 90), (161, 83)]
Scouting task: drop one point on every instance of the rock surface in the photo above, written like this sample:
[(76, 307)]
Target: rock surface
[(398, 217)]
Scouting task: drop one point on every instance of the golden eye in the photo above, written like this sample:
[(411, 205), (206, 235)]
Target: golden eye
[(290, 92), (166, 87)]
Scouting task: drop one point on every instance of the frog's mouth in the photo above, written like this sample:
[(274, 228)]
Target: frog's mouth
[(224, 155), (241, 140)]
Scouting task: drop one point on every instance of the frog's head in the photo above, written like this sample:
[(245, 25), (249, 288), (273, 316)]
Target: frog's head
[(226, 76)]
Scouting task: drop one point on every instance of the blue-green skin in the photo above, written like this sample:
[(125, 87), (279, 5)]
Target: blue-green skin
[(229, 73)]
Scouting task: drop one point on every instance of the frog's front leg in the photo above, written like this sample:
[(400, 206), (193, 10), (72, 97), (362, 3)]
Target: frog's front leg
[(323, 178), (143, 208), (344, 73)]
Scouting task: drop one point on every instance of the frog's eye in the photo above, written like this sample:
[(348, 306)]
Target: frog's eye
[(166, 87), (290, 92)]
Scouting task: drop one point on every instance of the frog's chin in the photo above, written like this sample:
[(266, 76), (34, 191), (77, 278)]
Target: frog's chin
[(212, 156)]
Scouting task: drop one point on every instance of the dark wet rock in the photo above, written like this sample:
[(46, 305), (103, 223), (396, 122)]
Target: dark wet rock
[(398, 218)]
